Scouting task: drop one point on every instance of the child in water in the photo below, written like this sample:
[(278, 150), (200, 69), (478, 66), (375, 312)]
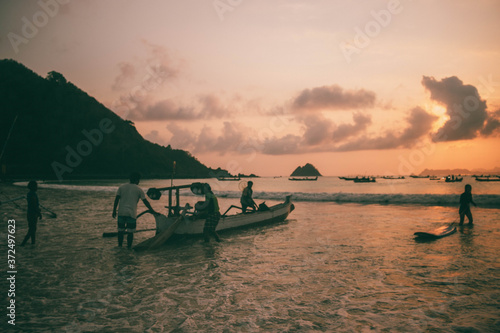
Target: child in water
[(465, 201)]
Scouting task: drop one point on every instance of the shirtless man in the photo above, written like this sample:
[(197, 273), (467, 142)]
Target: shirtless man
[(465, 201)]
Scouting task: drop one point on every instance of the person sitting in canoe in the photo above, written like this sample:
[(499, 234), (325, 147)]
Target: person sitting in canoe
[(465, 201), (246, 198), (127, 197)]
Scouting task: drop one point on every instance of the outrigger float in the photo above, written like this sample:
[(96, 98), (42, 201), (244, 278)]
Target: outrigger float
[(181, 221)]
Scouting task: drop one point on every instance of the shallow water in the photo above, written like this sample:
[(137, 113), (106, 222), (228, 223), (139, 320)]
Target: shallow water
[(329, 267)]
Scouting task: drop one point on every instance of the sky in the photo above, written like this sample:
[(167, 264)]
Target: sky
[(352, 87)]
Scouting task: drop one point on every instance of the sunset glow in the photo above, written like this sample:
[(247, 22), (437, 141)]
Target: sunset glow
[(265, 86)]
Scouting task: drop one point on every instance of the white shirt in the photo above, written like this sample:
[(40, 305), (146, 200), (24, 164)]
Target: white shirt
[(129, 197)]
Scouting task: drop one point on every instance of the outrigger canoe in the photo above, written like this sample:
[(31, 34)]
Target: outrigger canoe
[(182, 222)]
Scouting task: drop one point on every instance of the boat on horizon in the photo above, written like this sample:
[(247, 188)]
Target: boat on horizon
[(347, 178), (303, 178), (393, 177), (229, 178), (488, 179), (453, 179), (364, 180)]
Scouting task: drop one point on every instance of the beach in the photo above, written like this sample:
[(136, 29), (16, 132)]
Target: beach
[(345, 260)]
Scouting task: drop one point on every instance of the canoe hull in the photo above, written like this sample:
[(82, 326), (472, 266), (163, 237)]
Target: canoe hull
[(193, 226)]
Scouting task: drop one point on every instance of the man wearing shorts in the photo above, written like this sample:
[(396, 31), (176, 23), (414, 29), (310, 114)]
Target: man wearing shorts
[(213, 214), (465, 201), (126, 200)]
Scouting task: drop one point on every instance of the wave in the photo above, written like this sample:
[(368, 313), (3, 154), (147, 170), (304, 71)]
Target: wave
[(445, 200)]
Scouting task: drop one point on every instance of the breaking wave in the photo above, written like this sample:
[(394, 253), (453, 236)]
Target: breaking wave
[(483, 200)]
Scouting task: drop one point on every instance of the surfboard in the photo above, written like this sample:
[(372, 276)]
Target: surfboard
[(437, 233)]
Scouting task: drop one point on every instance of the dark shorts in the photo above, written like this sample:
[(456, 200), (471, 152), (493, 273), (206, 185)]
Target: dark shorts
[(464, 211), (211, 222), (126, 223), (32, 220)]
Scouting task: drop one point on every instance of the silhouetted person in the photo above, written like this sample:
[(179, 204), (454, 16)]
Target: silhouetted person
[(126, 200), (246, 198), (34, 212), (213, 214), (465, 201)]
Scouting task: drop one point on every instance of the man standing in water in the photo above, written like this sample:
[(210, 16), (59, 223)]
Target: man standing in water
[(34, 212), (246, 198), (213, 214), (465, 201), (127, 197)]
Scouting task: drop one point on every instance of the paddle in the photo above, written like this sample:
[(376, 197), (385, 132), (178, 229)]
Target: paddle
[(232, 206), (114, 234), (52, 214), (12, 200)]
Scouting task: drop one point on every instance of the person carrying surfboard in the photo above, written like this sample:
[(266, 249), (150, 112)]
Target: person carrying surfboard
[(465, 201), (126, 200)]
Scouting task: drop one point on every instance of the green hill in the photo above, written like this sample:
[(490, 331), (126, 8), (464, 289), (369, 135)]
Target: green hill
[(60, 132)]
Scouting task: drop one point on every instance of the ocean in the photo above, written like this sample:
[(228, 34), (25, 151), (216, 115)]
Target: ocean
[(345, 260)]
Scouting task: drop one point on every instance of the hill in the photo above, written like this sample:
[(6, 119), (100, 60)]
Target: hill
[(58, 131), (307, 170), (446, 172)]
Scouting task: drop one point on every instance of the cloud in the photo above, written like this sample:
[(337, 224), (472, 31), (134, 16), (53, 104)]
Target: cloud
[(345, 131), (317, 129), (492, 126), (127, 73), (334, 98), (154, 136), (162, 110), (464, 106), (144, 76), (231, 138), (419, 125), (181, 138), (208, 106), (288, 144), (160, 60)]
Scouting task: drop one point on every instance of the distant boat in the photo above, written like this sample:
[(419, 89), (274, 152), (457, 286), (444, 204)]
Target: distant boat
[(364, 180), (393, 177), (303, 178), (348, 178), (415, 176), (488, 179), (453, 179), (228, 178)]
